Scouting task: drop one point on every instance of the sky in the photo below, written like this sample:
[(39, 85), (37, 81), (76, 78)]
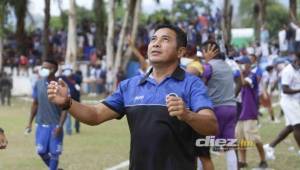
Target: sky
[(36, 7)]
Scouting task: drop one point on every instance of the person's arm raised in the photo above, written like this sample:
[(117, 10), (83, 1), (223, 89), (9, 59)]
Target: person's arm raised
[(91, 115)]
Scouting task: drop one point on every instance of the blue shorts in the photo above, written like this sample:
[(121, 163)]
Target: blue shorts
[(45, 140)]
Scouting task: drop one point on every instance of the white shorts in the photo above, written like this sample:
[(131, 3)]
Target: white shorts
[(291, 109)]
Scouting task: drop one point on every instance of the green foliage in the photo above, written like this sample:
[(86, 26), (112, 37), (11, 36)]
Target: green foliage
[(84, 14), (185, 9), (119, 12), (160, 16), (246, 13), (56, 22), (276, 15)]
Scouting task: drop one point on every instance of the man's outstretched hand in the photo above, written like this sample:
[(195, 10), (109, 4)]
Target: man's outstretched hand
[(58, 92)]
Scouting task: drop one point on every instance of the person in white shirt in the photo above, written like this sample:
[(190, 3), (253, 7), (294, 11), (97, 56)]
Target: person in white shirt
[(290, 104)]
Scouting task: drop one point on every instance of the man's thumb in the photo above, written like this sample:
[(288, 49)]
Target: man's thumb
[(61, 83)]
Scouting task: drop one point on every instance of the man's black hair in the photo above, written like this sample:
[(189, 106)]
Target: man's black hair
[(181, 37), (219, 55), (298, 56), (52, 61)]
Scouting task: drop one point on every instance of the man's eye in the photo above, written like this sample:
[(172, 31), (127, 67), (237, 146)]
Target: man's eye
[(153, 38), (165, 39)]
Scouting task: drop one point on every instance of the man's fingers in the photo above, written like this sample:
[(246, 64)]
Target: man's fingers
[(174, 113), (173, 103), (51, 91), (173, 98), (51, 96), (62, 83), (175, 108)]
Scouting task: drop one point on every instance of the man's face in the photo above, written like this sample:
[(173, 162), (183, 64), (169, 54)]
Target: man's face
[(50, 67), (246, 68), (253, 59), (297, 63), (163, 47)]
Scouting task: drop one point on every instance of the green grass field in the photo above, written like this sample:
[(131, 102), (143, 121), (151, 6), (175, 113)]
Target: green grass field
[(104, 146)]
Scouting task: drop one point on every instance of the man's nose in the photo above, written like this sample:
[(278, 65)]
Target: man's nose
[(156, 44)]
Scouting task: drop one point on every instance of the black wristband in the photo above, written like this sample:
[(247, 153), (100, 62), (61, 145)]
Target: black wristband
[(1, 130)]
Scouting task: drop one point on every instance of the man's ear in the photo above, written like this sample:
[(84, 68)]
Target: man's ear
[(181, 52)]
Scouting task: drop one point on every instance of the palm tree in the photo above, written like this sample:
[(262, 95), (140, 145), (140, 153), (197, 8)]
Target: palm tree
[(71, 54), (46, 29)]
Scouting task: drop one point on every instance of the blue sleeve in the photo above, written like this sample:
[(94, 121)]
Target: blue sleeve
[(34, 92), (116, 101), (198, 97), (236, 73), (259, 72)]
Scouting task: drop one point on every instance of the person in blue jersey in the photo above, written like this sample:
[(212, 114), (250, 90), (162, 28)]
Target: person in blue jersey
[(165, 108), (49, 118)]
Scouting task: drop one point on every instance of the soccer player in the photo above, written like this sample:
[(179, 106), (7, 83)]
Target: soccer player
[(49, 118), (164, 107)]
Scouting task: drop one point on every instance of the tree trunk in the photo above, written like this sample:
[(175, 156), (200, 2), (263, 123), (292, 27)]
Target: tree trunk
[(2, 16), (46, 30), (122, 34), (99, 10), (293, 10), (1, 52), (71, 54), (259, 16), (226, 22), (135, 23), (20, 12), (110, 41)]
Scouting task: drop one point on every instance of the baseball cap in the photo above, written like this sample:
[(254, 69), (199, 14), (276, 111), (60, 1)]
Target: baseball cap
[(243, 60)]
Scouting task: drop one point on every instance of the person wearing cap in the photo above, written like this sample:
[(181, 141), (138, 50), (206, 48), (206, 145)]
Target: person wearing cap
[(49, 118), (3, 140), (73, 81), (165, 108), (218, 77), (246, 128)]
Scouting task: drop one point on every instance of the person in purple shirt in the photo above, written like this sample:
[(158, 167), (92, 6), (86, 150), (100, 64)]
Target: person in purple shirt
[(246, 128)]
